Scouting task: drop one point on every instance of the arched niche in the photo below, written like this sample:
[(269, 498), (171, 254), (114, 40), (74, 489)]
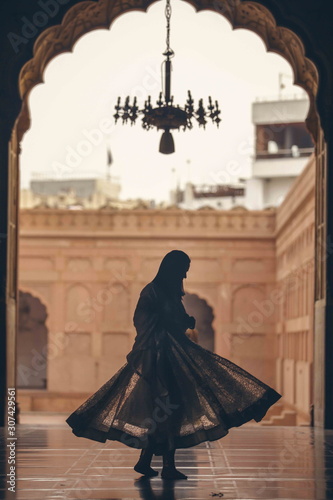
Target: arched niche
[(246, 301), (78, 304), (115, 299), (32, 342), (204, 315), (253, 345)]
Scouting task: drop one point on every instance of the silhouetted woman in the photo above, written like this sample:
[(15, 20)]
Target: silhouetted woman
[(171, 393)]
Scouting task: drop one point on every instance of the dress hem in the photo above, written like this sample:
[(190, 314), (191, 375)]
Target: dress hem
[(255, 411)]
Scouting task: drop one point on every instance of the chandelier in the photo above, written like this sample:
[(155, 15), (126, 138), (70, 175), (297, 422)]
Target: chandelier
[(167, 116)]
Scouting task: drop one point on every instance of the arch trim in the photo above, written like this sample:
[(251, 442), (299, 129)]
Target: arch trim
[(88, 16)]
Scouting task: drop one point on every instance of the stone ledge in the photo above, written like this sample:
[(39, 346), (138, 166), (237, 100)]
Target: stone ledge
[(49, 401)]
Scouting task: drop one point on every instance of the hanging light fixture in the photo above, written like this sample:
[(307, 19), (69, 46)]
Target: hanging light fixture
[(166, 116)]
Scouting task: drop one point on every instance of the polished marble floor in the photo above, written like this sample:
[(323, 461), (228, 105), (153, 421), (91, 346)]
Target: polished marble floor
[(251, 462)]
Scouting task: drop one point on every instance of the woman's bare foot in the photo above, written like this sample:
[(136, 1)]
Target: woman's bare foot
[(146, 470), (172, 473), (143, 464)]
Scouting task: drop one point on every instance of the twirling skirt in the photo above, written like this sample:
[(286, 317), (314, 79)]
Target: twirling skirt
[(176, 396)]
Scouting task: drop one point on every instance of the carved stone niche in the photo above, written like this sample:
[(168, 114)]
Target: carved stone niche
[(249, 266), (119, 269), (79, 265), (116, 308), (247, 303), (115, 347), (78, 305), (207, 270)]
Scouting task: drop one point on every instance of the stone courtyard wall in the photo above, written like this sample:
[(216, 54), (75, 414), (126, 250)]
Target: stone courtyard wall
[(295, 263), (88, 267)]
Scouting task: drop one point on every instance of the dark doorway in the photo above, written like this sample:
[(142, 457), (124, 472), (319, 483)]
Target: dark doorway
[(203, 313), (31, 343)]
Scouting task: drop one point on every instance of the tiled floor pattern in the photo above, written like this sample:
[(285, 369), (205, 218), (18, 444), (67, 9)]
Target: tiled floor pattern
[(251, 462)]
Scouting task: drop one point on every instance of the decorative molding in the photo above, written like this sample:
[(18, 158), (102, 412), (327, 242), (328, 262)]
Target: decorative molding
[(142, 224), (87, 16), (33, 262), (257, 286)]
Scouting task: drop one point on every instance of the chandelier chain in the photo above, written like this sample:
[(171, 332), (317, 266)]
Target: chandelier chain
[(168, 12)]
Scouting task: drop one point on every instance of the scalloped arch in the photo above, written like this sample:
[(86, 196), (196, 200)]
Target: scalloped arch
[(200, 294), (34, 293), (87, 16), (30, 290), (195, 290)]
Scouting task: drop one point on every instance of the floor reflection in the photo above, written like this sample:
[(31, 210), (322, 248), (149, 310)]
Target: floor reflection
[(146, 491), (251, 462)]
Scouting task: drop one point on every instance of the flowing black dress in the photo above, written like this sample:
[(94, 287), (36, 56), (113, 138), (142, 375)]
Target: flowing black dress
[(171, 392)]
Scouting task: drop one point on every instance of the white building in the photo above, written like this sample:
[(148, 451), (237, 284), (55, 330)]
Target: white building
[(70, 193), (282, 147)]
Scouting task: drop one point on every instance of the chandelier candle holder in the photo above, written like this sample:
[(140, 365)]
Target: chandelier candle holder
[(166, 116)]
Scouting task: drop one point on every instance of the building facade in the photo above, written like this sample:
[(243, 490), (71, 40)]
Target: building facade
[(282, 148)]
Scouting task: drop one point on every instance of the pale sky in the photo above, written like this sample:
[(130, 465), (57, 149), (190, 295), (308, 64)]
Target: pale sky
[(81, 90)]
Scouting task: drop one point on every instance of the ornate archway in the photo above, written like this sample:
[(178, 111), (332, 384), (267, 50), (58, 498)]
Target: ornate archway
[(87, 16)]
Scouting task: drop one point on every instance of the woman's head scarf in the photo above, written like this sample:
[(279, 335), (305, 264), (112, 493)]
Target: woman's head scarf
[(171, 272)]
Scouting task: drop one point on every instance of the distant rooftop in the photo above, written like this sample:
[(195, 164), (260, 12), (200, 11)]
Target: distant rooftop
[(83, 188), (65, 176), (283, 97)]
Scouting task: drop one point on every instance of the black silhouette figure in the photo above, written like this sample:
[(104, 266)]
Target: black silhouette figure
[(171, 392)]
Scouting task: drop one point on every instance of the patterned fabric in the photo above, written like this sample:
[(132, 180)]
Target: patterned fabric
[(171, 392)]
